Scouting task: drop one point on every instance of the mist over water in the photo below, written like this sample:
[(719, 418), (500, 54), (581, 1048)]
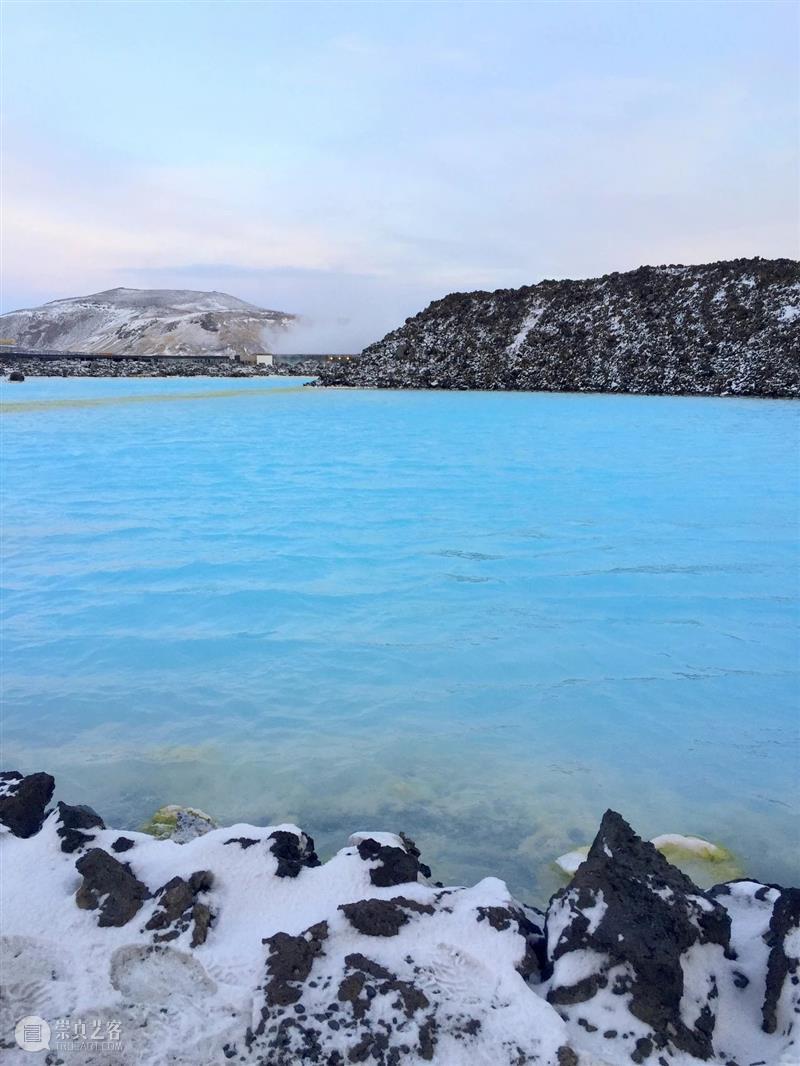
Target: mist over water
[(339, 313), (313, 336), (479, 617), (332, 331)]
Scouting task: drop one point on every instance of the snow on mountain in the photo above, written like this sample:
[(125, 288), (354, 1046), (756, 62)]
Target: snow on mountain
[(147, 322)]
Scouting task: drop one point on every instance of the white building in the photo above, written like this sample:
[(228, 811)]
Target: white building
[(259, 358)]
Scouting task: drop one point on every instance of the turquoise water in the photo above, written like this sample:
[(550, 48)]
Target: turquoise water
[(478, 617)]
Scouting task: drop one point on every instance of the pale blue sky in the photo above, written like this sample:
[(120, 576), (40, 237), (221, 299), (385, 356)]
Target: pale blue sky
[(352, 161)]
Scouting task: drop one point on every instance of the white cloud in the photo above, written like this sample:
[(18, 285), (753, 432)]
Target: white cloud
[(385, 179)]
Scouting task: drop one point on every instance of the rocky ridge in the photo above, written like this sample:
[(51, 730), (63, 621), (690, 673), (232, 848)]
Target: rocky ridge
[(726, 328), (140, 322), (240, 945), (119, 367)]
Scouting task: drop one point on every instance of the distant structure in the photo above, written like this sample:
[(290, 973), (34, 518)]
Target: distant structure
[(257, 358)]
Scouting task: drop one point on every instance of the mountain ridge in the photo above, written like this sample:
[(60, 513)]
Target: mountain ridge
[(730, 327), (138, 322)]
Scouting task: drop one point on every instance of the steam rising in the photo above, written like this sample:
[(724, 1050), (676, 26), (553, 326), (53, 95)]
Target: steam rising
[(336, 314), (319, 336)]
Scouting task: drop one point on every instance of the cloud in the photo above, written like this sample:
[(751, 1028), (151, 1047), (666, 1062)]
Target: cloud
[(374, 163)]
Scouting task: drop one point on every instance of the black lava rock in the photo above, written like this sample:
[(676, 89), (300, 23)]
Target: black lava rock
[(23, 801), (782, 966), (382, 917), (72, 821), (293, 852), (122, 844), (534, 962), (289, 965), (105, 876), (179, 906), (397, 866), (714, 329), (630, 906), (243, 842)]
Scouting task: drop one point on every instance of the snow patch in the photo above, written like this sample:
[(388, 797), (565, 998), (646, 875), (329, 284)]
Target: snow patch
[(528, 323)]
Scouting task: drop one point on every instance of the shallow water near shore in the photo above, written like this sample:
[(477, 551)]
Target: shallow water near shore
[(481, 618)]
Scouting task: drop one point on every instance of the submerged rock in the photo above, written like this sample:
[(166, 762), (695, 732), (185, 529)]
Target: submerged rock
[(179, 824), (705, 862), (570, 862), (675, 846)]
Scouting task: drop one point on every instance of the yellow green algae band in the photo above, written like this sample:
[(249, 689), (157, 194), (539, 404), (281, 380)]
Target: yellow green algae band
[(14, 406)]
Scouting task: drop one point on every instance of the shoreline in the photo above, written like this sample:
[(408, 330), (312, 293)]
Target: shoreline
[(144, 367), (246, 947), (116, 369)]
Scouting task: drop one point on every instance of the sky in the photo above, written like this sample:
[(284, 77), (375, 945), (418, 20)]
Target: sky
[(351, 162)]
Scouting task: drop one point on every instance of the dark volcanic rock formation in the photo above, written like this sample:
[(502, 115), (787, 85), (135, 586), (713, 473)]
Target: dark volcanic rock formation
[(716, 329), (110, 886), (643, 920), (73, 821), (146, 367), (179, 906), (289, 964), (382, 917), (246, 948), (783, 964), (396, 866), (23, 801), (293, 852)]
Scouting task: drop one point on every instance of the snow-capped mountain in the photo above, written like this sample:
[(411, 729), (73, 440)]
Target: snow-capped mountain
[(718, 328), (146, 322)]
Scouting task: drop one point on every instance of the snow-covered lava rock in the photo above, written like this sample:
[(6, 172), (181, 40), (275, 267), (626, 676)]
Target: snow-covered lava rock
[(240, 945), (720, 328)]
